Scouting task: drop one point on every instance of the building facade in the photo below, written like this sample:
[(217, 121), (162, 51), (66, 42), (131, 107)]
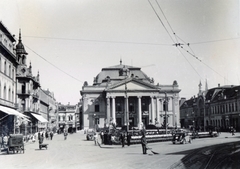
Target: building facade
[(215, 108), (68, 117), (8, 67), (126, 96), (33, 101)]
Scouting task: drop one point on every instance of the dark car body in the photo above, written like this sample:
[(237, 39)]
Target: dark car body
[(181, 137)]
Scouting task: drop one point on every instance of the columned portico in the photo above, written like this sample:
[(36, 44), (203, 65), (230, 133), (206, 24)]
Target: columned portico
[(127, 96)]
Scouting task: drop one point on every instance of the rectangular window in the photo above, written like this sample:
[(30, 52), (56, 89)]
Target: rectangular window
[(96, 108)]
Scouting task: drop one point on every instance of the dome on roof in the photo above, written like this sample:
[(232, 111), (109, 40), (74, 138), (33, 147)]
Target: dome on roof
[(118, 73), (20, 47)]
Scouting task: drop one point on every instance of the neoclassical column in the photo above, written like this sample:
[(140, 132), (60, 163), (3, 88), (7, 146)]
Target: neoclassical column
[(158, 110), (161, 111), (113, 110), (108, 110), (139, 112), (173, 112), (152, 117)]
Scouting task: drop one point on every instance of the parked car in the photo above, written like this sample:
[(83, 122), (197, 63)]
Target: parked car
[(181, 137)]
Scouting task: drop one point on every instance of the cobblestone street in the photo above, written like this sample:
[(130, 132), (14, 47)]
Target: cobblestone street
[(76, 152)]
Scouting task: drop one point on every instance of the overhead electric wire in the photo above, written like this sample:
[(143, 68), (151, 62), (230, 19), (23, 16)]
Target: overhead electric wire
[(166, 20), (189, 63), (181, 45), (53, 64), (172, 32), (161, 21), (191, 54), (211, 41), (100, 41)]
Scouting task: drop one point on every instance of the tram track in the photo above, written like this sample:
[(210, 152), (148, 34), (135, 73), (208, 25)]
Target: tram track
[(211, 157)]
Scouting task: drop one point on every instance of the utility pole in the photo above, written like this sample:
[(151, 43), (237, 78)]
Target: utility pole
[(127, 118), (166, 107)]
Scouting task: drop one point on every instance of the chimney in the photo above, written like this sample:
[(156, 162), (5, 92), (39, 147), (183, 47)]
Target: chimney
[(218, 84)]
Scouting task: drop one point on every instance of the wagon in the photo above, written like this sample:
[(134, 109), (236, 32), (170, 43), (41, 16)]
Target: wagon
[(15, 143)]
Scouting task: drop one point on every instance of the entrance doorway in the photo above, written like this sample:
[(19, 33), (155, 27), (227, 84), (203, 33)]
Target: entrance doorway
[(119, 122), (131, 121)]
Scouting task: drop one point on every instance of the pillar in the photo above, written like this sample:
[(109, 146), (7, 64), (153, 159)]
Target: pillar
[(158, 111), (173, 112), (113, 110), (153, 110), (139, 113), (108, 110)]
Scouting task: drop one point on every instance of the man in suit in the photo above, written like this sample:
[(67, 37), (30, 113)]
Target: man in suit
[(144, 143)]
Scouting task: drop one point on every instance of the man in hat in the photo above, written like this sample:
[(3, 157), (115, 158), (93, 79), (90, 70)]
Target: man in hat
[(144, 143)]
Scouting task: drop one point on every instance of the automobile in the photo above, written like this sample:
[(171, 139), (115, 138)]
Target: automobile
[(181, 137), (90, 134)]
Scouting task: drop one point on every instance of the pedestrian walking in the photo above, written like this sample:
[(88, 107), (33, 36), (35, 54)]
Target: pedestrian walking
[(46, 135), (102, 136), (51, 135), (65, 135), (232, 131), (122, 138), (128, 139), (40, 139), (144, 143), (95, 137)]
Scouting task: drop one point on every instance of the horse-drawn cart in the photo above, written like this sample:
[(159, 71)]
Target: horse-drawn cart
[(15, 143)]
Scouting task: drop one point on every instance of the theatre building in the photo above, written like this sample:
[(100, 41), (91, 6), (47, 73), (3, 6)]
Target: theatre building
[(124, 95)]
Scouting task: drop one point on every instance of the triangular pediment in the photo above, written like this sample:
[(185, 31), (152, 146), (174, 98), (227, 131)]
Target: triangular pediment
[(132, 85)]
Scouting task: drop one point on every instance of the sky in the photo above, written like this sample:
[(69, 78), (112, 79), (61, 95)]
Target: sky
[(70, 41)]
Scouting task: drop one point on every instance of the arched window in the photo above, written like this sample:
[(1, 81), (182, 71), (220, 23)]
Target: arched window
[(5, 67), (9, 94), (4, 92), (13, 74), (12, 97), (9, 71)]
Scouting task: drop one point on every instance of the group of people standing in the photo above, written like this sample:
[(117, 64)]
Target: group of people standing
[(123, 137), (47, 135)]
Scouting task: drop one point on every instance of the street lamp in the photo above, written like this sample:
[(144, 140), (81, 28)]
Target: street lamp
[(94, 122)]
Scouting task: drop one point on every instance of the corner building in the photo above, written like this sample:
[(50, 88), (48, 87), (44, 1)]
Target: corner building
[(124, 94)]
